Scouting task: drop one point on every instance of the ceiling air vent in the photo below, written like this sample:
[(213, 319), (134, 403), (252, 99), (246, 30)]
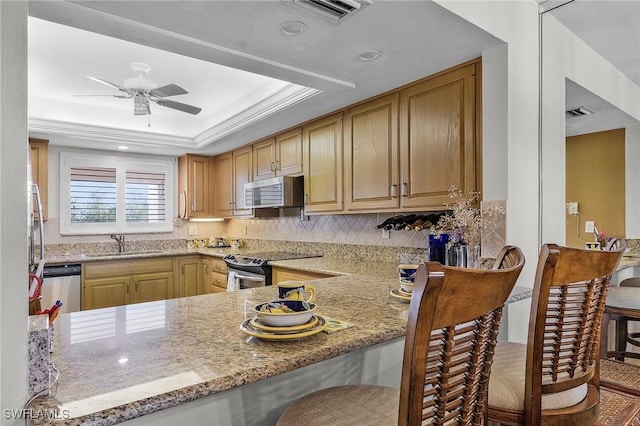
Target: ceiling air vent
[(580, 111), (334, 10)]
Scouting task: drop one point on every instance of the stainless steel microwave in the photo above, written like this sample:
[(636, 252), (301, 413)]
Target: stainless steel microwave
[(281, 191)]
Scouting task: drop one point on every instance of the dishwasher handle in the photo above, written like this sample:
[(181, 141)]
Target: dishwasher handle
[(61, 270)]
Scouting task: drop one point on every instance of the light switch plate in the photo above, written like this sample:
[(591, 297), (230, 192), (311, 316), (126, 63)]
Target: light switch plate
[(193, 231), (385, 233), (589, 226), (572, 207)]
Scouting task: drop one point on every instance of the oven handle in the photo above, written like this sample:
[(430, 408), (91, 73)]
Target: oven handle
[(245, 277)]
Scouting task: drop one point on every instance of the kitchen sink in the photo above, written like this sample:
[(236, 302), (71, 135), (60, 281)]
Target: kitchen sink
[(125, 253)]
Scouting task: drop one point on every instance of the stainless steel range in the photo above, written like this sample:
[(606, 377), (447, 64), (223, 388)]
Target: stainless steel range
[(253, 269)]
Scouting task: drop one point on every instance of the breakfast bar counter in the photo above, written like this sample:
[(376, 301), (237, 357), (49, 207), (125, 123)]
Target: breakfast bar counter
[(186, 361)]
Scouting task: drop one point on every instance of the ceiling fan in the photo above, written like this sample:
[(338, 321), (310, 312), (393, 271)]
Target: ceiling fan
[(143, 90)]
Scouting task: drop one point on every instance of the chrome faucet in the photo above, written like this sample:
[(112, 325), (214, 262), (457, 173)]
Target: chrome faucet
[(120, 240)]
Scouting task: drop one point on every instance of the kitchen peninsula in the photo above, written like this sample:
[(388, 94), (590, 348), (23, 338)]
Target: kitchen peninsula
[(186, 361)]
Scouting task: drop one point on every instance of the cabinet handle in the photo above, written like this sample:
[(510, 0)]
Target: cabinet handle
[(404, 189), (182, 270), (277, 165), (394, 191), (273, 166), (193, 207), (306, 199), (206, 269), (136, 287)]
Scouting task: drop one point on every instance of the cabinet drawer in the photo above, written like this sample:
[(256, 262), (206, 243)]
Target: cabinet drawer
[(219, 281), (126, 267), (218, 265), (284, 274)]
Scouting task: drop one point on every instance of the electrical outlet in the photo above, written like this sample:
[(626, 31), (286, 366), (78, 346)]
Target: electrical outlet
[(589, 226), (385, 233), (193, 231), (572, 207)]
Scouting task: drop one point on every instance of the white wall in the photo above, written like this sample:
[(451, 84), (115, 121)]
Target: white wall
[(632, 181), (13, 207), (515, 23), (567, 56)]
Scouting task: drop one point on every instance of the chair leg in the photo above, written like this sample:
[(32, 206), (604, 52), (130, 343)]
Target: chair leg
[(621, 338), (604, 336)]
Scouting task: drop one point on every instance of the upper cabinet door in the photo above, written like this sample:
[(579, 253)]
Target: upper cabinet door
[(322, 141), (371, 155), (223, 185), (264, 159), (193, 175), (241, 175), (39, 151), (289, 153), (438, 138)]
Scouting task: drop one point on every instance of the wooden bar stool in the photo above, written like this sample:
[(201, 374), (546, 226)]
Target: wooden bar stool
[(622, 306)]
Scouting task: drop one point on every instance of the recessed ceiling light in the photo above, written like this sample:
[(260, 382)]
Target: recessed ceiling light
[(123, 147), (293, 28), (369, 55)]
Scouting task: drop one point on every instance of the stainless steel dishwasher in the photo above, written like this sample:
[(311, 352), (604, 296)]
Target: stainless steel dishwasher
[(62, 282)]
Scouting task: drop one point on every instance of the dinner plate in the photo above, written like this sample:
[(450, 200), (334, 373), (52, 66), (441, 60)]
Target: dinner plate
[(255, 323), (265, 335), (400, 294)]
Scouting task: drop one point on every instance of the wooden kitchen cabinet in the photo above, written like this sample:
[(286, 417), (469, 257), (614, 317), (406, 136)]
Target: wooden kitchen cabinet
[(193, 186), (215, 275), (223, 188), (285, 274), (371, 155), (322, 147), (106, 292), (232, 170), (191, 280), (152, 286), (242, 161), (39, 152), (278, 156), (438, 138), (120, 282)]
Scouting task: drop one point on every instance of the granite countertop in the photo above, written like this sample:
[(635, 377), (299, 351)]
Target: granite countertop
[(120, 363)]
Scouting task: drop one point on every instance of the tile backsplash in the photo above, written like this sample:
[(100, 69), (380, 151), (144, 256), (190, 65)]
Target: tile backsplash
[(341, 229)]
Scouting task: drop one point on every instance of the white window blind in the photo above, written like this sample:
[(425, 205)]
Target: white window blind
[(145, 196), (93, 195), (113, 194)]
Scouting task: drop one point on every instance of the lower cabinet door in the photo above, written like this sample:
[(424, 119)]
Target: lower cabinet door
[(153, 286), (106, 292)]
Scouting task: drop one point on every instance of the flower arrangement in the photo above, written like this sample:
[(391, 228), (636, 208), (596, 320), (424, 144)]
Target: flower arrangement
[(602, 238), (466, 223)]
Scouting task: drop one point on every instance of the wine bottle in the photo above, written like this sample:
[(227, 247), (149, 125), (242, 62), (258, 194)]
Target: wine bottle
[(406, 219), (416, 223), (390, 223)]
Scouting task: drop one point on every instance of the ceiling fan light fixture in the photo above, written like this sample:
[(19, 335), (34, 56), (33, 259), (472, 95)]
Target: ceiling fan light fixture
[(141, 105)]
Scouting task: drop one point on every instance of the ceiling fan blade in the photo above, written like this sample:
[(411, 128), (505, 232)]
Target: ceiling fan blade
[(108, 83), (168, 90), (179, 106), (111, 96)]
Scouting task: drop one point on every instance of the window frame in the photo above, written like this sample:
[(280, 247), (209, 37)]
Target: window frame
[(121, 165)]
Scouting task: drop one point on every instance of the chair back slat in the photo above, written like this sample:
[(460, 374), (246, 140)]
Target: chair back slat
[(450, 340), (566, 315)]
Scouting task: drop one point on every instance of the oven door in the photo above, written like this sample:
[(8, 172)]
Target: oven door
[(248, 279)]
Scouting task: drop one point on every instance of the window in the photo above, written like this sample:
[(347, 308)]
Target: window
[(113, 194)]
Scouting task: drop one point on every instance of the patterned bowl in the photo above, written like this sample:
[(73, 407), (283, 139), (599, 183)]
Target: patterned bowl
[(285, 313)]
